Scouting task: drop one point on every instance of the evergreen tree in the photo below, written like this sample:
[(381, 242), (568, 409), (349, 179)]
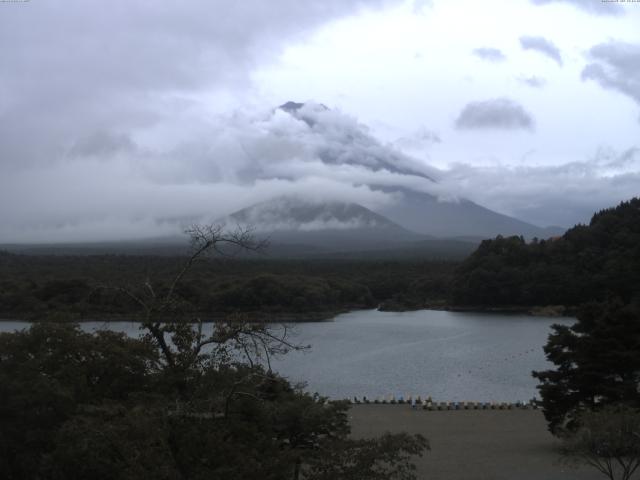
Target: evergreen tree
[(597, 363)]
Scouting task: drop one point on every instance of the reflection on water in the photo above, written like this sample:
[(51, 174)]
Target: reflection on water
[(447, 355)]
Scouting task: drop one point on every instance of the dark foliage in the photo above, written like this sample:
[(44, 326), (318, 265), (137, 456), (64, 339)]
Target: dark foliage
[(597, 359), (597, 364), (48, 374), (103, 406), (178, 403), (58, 287), (587, 263)]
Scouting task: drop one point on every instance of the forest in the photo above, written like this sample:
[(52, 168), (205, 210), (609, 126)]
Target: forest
[(44, 287), (589, 262)]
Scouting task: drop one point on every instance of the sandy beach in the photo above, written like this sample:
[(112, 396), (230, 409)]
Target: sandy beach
[(474, 444)]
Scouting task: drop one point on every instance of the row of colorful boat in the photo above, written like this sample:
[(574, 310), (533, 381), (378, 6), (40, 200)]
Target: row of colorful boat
[(428, 404)]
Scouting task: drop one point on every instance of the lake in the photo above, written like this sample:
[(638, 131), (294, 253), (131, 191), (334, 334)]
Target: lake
[(451, 356)]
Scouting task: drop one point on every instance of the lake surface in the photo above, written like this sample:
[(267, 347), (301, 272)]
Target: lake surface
[(450, 356)]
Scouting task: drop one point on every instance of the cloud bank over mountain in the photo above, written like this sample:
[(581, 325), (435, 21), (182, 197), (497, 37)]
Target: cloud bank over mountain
[(126, 119), (606, 178), (114, 188), (242, 159)]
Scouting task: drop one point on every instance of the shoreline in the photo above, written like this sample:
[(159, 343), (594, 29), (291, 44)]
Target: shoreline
[(559, 311), (532, 310), (268, 317)]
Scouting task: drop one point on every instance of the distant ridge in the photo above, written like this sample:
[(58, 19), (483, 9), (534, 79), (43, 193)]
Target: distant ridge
[(424, 213)]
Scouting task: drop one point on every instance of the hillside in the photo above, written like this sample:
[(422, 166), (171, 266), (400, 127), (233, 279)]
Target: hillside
[(426, 214), (589, 262), (324, 225), (300, 228)]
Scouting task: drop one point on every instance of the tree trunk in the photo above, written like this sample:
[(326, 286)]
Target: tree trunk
[(296, 469)]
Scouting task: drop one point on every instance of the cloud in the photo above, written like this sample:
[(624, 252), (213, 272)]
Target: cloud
[(108, 113), (597, 7), (126, 190), (87, 69), (111, 126), (489, 54), (543, 46), (499, 113), (100, 144), (616, 66), (109, 187), (533, 81), (421, 139), (560, 195), (419, 6)]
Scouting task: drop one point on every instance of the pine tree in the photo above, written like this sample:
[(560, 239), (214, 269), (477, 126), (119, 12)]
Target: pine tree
[(597, 363)]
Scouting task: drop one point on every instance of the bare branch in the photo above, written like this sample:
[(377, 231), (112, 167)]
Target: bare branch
[(210, 237)]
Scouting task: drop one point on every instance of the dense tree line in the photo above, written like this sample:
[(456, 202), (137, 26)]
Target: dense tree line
[(589, 262), (57, 287), (591, 398)]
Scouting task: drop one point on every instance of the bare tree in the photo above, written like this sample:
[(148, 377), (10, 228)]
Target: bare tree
[(182, 340)]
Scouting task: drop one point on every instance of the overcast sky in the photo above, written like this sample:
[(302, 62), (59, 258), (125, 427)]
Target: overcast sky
[(127, 118)]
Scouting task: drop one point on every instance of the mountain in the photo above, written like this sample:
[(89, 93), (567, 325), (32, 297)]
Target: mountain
[(407, 181), (424, 213), (295, 227), (322, 226)]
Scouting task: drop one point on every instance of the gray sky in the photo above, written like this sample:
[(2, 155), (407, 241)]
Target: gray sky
[(124, 118)]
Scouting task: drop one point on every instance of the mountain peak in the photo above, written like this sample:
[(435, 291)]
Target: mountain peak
[(293, 107), (328, 225), (295, 213)]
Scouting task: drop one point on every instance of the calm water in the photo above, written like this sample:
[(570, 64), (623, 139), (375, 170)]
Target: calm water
[(450, 356)]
